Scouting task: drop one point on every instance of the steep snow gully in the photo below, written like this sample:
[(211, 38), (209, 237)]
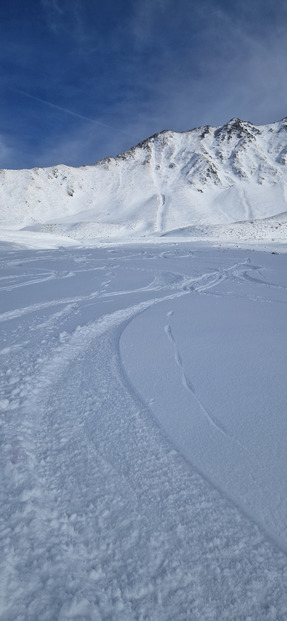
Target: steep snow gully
[(143, 434)]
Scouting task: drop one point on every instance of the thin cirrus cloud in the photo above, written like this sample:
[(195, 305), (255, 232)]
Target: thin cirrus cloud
[(62, 109), (227, 69), (89, 79)]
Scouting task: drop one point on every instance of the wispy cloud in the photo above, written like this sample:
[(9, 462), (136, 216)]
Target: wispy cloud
[(52, 6), (53, 13), (61, 108), (67, 16), (214, 62), (107, 75)]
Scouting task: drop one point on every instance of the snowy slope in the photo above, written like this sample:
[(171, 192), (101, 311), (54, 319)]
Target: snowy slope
[(125, 373), (192, 184)]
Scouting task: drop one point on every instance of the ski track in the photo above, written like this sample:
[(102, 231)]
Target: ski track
[(212, 420), (190, 387), (27, 283), (101, 518)]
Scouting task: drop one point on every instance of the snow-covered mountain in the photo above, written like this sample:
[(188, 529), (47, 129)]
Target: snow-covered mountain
[(229, 181)]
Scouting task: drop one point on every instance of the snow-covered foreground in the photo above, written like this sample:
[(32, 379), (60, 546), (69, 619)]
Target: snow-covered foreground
[(143, 430)]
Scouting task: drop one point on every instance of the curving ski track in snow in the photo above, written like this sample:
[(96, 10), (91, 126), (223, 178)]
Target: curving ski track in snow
[(101, 518)]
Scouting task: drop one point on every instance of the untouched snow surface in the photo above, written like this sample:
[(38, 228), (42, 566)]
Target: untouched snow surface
[(143, 434)]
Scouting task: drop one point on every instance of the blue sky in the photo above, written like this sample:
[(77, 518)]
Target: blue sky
[(84, 79)]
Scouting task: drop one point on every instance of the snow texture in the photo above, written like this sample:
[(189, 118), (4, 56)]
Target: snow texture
[(143, 432)]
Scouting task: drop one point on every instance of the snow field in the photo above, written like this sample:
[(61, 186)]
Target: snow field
[(120, 383)]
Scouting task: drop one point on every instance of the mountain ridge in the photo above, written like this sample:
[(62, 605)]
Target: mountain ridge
[(171, 181)]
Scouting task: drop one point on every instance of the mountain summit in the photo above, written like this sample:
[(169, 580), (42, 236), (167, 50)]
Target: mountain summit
[(223, 181)]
